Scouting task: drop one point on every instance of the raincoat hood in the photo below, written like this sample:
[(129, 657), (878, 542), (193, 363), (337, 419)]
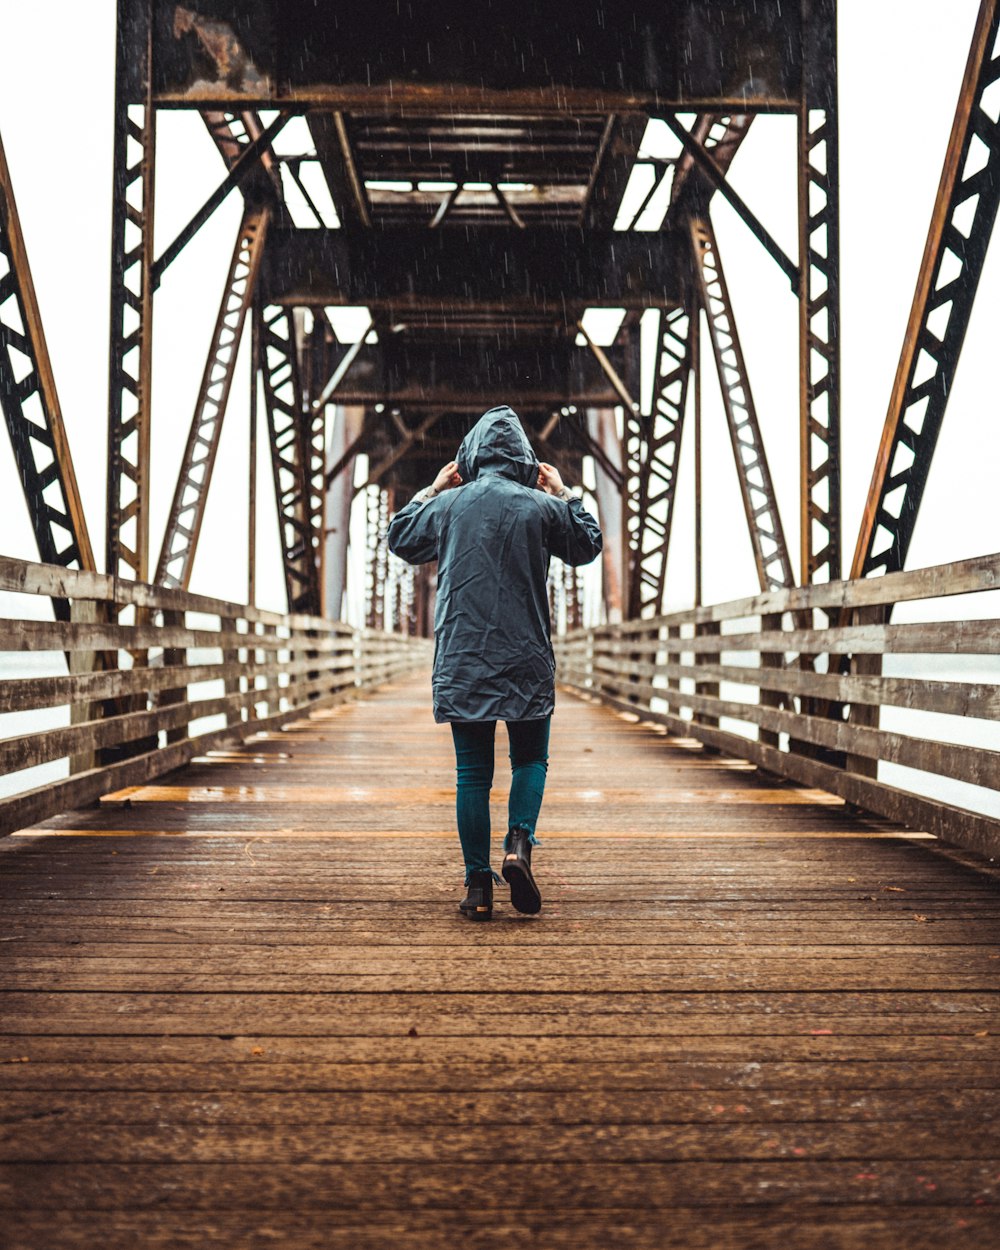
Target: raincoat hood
[(498, 444)]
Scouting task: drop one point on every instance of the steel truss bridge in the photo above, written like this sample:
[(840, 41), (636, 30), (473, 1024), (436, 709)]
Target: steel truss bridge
[(481, 180)]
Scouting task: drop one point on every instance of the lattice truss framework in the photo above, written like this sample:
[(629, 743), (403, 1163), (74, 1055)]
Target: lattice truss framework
[(961, 226), (819, 313), (652, 458), (964, 215), (289, 459), (130, 388), (31, 405), (187, 510), (760, 504)]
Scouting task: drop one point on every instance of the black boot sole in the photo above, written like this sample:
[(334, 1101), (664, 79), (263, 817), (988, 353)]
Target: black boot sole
[(525, 896)]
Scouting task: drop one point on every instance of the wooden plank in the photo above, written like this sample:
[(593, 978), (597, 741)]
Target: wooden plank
[(968, 829), (740, 997), (976, 765), (540, 1186)]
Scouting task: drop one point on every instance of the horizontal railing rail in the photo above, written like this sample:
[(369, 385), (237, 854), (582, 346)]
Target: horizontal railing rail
[(793, 680), (147, 674)]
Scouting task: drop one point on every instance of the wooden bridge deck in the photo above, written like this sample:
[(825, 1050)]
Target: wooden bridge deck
[(241, 1009)]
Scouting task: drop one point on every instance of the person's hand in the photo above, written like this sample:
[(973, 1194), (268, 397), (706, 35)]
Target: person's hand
[(447, 478), (549, 479)]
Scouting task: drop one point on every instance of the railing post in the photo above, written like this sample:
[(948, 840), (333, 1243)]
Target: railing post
[(770, 622), (707, 689), (90, 612), (174, 657), (866, 665), (231, 659)]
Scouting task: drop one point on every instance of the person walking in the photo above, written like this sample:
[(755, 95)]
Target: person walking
[(492, 519)]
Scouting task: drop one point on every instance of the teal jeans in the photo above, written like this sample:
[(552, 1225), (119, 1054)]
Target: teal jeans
[(529, 756)]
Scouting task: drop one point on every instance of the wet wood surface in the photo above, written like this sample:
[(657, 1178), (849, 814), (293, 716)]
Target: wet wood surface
[(239, 1007)]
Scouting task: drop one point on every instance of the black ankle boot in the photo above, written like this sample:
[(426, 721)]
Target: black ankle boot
[(478, 901), (524, 893)]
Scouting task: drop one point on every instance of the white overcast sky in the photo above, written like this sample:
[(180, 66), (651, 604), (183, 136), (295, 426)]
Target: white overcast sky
[(901, 64)]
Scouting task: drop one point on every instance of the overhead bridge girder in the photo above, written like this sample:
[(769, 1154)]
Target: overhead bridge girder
[(559, 56), (531, 372), (547, 270)]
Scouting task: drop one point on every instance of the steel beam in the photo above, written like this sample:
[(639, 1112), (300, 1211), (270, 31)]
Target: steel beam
[(131, 345), (819, 300), (30, 403), (961, 224), (717, 177), (774, 567), (612, 169), (652, 459), (602, 429), (187, 511), (289, 457), (551, 271), (348, 424), (246, 163)]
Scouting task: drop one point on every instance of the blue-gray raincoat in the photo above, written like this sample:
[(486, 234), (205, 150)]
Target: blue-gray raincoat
[(492, 538)]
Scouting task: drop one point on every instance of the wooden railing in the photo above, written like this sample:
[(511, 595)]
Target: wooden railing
[(149, 673), (763, 679)]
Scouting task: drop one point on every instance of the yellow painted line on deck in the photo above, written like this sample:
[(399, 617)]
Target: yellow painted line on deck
[(437, 794)]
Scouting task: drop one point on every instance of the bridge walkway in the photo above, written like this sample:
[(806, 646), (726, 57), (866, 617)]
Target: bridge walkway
[(238, 1007)]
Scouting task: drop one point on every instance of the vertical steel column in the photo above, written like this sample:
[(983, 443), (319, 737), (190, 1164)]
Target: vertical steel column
[(602, 429), (774, 567), (187, 511), (131, 340), (30, 403), (282, 399), (819, 297), (348, 424), (964, 212), (652, 458), (252, 457)]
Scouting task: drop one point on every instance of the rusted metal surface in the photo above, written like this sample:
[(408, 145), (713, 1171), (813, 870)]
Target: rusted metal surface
[(760, 503), (131, 340), (187, 511), (961, 224), (290, 461), (30, 403), (685, 54), (819, 301), (652, 460)]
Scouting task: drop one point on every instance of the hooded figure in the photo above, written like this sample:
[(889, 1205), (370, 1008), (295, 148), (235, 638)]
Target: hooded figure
[(492, 538)]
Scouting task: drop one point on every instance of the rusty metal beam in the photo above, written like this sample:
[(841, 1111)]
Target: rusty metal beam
[(717, 177), (719, 134), (616, 155), (30, 403), (603, 432), (187, 511), (348, 424), (290, 460), (961, 224), (248, 160), (819, 301), (336, 156), (131, 337), (652, 459), (774, 567), (550, 271)]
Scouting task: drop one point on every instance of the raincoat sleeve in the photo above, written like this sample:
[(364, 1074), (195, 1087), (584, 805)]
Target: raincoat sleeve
[(413, 532), (575, 536)]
